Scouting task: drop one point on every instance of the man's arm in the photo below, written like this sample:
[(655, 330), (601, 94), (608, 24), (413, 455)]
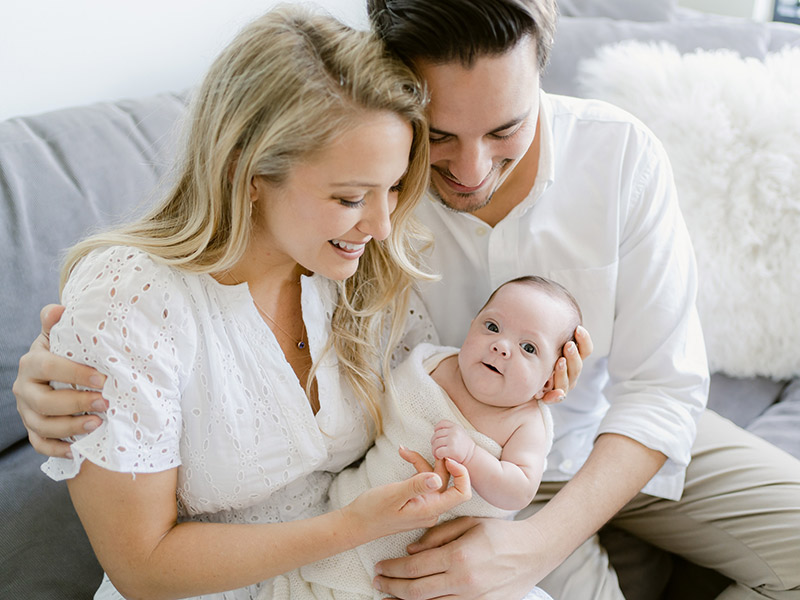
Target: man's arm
[(47, 413), (502, 560)]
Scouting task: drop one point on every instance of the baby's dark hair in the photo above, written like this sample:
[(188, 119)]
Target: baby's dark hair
[(556, 291)]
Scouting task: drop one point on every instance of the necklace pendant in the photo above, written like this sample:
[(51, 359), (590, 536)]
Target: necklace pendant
[(301, 344)]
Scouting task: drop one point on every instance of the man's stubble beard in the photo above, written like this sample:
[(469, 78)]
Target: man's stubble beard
[(442, 198)]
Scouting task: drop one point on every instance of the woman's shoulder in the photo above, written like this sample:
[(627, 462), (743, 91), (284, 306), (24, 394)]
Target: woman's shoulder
[(123, 284), (126, 274)]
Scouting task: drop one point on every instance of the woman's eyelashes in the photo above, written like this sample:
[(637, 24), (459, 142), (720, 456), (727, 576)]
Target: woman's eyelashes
[(351, 202), (355, 202)]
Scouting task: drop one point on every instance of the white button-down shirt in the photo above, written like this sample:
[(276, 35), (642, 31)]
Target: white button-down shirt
[(603, 220)]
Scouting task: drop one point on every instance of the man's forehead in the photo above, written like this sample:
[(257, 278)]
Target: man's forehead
[(493, 93)]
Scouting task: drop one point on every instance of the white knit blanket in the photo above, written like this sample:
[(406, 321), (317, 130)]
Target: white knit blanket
[(410, 415)]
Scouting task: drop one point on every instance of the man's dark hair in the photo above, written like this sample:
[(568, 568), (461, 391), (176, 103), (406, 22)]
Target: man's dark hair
[(442, 31)]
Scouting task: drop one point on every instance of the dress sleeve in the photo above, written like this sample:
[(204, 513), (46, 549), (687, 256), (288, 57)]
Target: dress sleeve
[(128, 317)]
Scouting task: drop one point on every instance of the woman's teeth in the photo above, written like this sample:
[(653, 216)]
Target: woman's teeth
[(347, 246)]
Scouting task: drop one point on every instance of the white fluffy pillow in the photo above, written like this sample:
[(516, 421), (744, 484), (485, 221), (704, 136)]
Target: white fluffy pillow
[(731, 128)]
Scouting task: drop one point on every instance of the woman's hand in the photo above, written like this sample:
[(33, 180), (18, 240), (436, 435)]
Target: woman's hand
[(569, 366), (414, 503), (47, 413)]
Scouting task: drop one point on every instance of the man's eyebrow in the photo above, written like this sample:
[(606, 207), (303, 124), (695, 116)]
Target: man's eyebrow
[(511, 123)]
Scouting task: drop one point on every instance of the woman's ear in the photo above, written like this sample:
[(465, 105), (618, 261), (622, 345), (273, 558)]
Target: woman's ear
[(253, 188)]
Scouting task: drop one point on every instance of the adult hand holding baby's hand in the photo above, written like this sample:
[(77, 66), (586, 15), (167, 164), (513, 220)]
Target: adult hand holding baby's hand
[(450, 440), (414, 503)]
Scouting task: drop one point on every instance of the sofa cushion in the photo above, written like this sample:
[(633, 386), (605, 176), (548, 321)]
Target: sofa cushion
[(62, 174), (44, 552), (632, 10), (577, 39)]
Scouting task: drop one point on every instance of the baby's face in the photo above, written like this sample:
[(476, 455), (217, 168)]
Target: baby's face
[(511, 347)]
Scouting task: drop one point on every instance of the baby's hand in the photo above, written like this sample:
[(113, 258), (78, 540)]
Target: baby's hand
[(450, 440)]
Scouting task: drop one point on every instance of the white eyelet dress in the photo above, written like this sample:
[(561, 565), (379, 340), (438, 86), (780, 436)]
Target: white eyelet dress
[(197, 381)]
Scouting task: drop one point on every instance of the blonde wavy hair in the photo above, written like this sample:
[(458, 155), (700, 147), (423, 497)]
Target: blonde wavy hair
[(286, 86)]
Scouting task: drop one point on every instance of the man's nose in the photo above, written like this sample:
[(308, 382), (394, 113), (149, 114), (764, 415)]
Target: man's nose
[(470, 163)]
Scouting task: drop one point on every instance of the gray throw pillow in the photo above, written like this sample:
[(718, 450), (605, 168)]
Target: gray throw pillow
[(632, 10), (577, 39)]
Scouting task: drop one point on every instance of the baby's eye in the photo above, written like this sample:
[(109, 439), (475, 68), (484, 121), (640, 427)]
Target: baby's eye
[(529, 348), (491, 326)]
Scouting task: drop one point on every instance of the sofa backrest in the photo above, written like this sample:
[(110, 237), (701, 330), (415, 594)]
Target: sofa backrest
[(62, 175)]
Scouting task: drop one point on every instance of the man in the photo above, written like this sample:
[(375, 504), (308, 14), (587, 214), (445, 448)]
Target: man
[(582, 193), (524, 183)]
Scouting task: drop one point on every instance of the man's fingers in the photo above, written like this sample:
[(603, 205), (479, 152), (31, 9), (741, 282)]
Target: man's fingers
[(560, 375), (49, 447), (584, 341), (442, 534), (432, 586), (410, 567), (40, 398), (61, 427), (574, 364), (45, 367), (553, 396), (49, 316)]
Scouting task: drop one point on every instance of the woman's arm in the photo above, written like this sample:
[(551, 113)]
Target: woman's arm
[(132, 525)]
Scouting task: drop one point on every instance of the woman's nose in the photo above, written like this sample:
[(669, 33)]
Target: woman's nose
[(377, 220)]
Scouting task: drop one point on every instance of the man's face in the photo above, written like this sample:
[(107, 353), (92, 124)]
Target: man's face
[(482, 119)]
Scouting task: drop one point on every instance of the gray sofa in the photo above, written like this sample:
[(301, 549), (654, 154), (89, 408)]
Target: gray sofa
[(65, 173)]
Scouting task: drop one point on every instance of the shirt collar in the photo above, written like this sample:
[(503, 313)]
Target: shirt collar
[(545, 174)]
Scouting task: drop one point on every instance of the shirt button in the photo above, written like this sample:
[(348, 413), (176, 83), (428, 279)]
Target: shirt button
[(565, 465), (481, 231)]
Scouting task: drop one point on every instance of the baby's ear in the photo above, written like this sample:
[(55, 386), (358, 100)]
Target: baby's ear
[(548, 387)]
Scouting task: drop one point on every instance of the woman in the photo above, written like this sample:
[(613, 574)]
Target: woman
[(245, 323)]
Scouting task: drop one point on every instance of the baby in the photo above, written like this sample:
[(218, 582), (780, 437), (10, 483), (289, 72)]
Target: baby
[(478, 406)]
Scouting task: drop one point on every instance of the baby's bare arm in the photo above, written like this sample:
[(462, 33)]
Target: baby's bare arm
[(511, 482)]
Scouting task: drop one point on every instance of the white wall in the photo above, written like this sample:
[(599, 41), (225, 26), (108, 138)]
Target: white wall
[(58, 53)]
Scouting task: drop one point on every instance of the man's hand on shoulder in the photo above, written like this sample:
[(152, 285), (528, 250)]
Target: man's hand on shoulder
[(47, 413)]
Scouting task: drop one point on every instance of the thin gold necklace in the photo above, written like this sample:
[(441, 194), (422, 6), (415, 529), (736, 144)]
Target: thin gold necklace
[(299, 343)]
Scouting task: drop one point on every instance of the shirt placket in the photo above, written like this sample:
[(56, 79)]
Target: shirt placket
[(503, 252)]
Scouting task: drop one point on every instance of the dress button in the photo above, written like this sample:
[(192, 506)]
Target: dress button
[(481, 231), (565, 465)]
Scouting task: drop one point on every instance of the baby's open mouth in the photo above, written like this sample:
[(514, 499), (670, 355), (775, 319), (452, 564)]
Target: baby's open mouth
[(488, 366)]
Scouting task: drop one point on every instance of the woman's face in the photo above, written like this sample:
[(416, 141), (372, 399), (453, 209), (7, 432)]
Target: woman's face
[(331, 206)]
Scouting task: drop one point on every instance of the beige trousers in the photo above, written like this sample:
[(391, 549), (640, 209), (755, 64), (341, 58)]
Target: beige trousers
[(739, 515)]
